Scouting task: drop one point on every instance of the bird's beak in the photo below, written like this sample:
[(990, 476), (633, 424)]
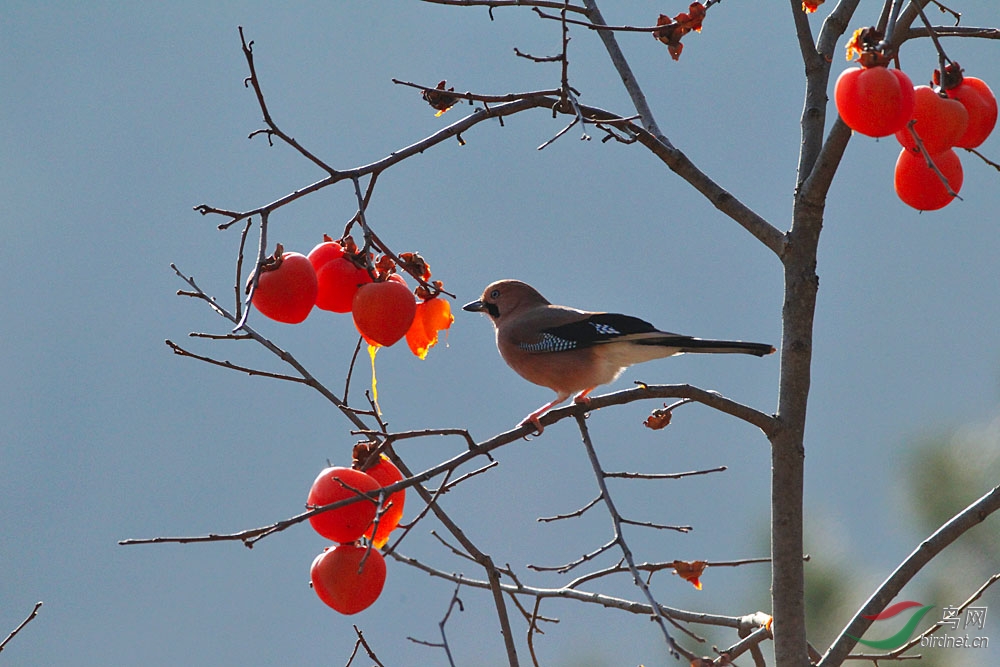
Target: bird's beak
[(474, 307)]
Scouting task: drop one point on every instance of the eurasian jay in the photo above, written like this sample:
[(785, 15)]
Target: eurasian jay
[(573, 351)]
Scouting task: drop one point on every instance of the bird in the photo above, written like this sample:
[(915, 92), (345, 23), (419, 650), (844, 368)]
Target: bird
[(571, 351)]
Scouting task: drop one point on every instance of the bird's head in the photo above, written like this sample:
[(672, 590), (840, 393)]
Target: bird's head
[(505, 297)]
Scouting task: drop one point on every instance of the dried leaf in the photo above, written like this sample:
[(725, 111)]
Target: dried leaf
[(854, 45), (690, 570), (416, 265), (658, 419), (440, 99), (671, 30), (864, 46)]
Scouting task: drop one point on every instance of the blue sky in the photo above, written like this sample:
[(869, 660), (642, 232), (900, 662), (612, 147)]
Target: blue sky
[(119, 118)]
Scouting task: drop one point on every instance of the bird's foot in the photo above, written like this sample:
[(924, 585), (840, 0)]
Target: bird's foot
[(533, 420)]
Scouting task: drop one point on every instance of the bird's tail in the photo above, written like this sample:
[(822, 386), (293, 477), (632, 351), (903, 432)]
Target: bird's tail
[(700, 345)]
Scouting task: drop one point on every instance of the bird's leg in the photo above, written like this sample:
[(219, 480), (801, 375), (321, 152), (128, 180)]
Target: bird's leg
[(582, 397), (535, 416)]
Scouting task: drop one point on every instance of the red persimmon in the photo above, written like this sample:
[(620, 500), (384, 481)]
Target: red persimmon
[(981, 103), (432, 316), (874, 101), (347, 523), (286, 288), (938, 121), (384, 311), (338, 281), (919, 186), (348, 577), (385, 473), (327, 251)]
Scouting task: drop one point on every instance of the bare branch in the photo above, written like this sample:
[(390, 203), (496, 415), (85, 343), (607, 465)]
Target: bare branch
[(674, 648), (20, 626), (574, 513), (272, 127), (489, 99), (747, 643), (566, 593), (676, 160), (455, 601), (971, 516), (663, 475), (653, 568), (951, 31), (180, 351), (445, 488), (897, 654), (657, 526), (563, 569), (361, 641), (550, 4), (928, 160), (982, 157), (482, 558)]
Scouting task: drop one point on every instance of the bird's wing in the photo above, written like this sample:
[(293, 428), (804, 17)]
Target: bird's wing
[(592, 329)]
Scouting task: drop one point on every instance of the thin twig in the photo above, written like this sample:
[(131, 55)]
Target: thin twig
[(929, 160), (663, 475), (251, 535), (446, 487), (984, 158), (585, 558), (238, 287), (675, 649), (607, 601), (404, 529), (579, 512), (272, 128), (28, 619), (180, 351), (350, 369), (551, 4), (455, 601), (600, 27), (657, 526), (241, 319), (362, 642)]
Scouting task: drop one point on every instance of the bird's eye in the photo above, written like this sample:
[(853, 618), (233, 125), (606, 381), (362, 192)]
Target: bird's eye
[(494, 294)]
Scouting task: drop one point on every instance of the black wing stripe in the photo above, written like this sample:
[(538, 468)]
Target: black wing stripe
[(596, 329)]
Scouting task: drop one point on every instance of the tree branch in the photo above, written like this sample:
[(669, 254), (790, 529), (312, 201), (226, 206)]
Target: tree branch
[(549, 4), (272, 127), (971, 516), (616, 519), (566, 593), (13, 633), (675, 159)]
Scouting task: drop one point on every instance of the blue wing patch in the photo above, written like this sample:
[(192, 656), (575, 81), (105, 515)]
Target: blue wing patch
[(604, 329)]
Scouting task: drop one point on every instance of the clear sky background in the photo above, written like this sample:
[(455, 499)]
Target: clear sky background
[(118, 118)]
